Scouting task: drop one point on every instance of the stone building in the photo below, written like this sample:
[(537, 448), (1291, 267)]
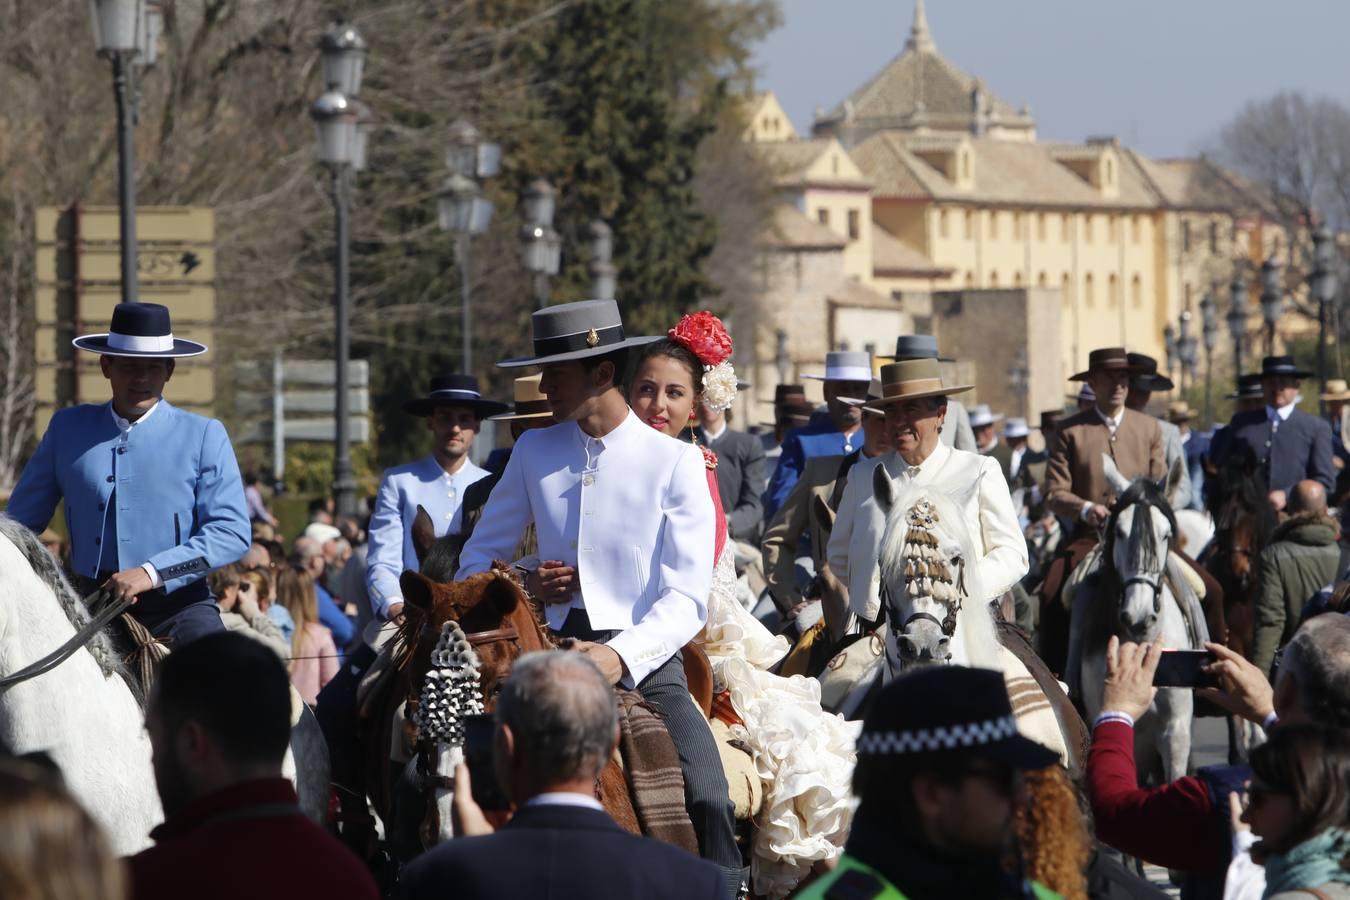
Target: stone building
[(936, 185)]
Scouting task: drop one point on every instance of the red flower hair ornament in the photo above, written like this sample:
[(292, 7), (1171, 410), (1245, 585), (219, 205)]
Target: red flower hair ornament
[(706, 337)]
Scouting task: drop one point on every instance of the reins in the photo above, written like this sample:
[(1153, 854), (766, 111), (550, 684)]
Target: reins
[(95, 625)]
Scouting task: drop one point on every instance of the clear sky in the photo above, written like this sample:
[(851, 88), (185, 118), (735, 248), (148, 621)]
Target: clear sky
[(1162, 75)]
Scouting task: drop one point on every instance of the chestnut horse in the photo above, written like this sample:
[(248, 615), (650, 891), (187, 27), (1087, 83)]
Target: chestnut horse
[(500, 624)]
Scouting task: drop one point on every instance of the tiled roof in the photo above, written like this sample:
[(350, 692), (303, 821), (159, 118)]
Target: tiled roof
[(792, 230), (1005, 172), (892, 256), (1200, 184), (790, 160), (852, 292)]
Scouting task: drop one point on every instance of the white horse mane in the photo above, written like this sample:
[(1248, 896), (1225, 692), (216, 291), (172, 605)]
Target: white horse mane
[(100, 646), (975, 630)]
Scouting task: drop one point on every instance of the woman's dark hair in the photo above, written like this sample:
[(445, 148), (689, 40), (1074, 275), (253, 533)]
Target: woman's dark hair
[(1310, 763), (680, 353)]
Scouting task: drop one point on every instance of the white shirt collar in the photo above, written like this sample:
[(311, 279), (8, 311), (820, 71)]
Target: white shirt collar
[(933, 463), (125, 425), (1281, 411), (1112, 422), (560, 798), (625, 431), (709, 435), (434, 468)]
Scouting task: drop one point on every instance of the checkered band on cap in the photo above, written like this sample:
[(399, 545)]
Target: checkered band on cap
[(929, 740)]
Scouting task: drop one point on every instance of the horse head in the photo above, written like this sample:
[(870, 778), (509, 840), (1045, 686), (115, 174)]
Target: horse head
[(926, 572), (491, 608), (1137, 537)]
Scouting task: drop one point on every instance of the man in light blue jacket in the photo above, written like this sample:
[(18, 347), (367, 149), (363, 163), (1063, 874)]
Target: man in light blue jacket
[(153, 497)]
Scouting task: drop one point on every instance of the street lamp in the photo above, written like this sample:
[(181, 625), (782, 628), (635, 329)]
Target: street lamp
[(126, 31), (1186, 350), (541, 246), (1272, 300), (464, 212), (338, 117), (1237, 318), (782, 360), (602, 270), (1209, 332), (1019, 378), (1170, 345), (1323, 285)]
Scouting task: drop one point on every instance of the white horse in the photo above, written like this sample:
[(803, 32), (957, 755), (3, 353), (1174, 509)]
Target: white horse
[(1139, 592), (85, 715), (937, 610), (82, 713)]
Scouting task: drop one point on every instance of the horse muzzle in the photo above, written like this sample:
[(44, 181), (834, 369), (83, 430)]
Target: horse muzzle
[(923, 642)]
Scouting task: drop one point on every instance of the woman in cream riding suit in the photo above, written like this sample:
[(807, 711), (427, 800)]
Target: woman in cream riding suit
[(974, 481)]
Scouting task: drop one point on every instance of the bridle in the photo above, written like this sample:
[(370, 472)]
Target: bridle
[(1153, 581), (948, 622), (93, 627)]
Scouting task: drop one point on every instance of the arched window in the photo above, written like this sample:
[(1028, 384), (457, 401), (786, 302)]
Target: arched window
[(970, 279), (1066, 290), (1137, 292), (942, 224), (970, 224), (993, 224), (1089, 289), (993, 279), (1110, 171), (1042, 280), (1112, 291), (1017, 279)]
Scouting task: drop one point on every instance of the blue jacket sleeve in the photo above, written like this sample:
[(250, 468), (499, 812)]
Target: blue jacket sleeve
[(33, 502), (222, 532), (384, 550), (790, 463), (1320, 465), (333, 618)]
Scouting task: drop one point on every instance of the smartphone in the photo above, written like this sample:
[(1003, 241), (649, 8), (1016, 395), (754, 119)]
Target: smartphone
[(1184, 669), (478, 737)]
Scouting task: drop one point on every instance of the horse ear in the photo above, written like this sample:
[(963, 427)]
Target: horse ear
[(423, 533), (1119, 483), (882, 488), (418, 590), (502, 593), (1172, 481)]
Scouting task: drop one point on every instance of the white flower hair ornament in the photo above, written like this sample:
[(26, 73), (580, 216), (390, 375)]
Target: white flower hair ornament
[(719, 386), (706, 337)]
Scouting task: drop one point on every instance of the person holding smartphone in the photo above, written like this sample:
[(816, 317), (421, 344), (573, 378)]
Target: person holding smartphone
[(241, 609)]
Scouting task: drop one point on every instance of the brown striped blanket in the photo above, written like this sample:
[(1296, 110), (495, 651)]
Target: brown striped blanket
[(652, 767)]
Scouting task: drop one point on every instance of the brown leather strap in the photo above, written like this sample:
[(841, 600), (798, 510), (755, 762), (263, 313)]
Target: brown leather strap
[(507, 633)]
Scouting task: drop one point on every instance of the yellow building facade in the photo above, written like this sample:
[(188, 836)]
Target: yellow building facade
[(935, 184)]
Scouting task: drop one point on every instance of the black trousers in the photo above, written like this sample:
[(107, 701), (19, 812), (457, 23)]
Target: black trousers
[(705, 782), (178, 618)]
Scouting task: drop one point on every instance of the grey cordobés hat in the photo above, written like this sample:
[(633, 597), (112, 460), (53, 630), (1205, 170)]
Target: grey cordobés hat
[(571, 331)]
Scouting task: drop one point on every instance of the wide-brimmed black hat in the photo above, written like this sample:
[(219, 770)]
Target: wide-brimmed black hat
[(454, 390), (946, 709), (1248, 387), (139, 329), (1282, 365), (916, 346), (578, 330), (1105, 359), (1146, 377)]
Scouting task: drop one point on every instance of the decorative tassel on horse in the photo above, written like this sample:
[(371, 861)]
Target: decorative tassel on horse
[(452, 688), (927, 572)]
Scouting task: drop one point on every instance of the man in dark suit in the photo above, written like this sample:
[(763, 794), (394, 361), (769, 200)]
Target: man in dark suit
[(557, 725), (741, 475), (1291, 445)]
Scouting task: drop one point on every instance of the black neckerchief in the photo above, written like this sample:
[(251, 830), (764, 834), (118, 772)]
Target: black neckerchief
[(924, 873)]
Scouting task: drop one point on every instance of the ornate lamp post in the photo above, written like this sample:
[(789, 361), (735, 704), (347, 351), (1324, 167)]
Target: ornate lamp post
[(338, 116), (1323, 285), (126, 32), (1209, 331), (1019, 379), (464, 212), (1272, 300), (1186, 351), (1170, 345), (603, 274), (1237, 319), (540, 245)]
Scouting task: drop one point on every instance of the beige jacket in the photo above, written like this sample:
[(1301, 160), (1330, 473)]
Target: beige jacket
[(779, 545), (1074, 476)]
